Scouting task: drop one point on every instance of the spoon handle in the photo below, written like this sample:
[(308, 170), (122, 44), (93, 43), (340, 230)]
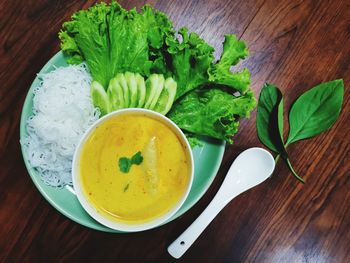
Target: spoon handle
[(186, 239)]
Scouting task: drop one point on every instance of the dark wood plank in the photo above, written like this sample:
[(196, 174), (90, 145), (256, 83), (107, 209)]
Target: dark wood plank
[(28, 38), (297, 45), (293, 44)]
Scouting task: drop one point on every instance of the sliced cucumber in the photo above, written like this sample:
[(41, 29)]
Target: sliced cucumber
[(126, 94), (167, 97), (132, 85), (151, 86), (141, 90), (131, 90), (115, 95), (159, 88), (154, 86), (99, 97)]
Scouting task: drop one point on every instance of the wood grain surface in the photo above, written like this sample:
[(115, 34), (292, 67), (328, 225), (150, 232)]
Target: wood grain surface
[(293, 44)]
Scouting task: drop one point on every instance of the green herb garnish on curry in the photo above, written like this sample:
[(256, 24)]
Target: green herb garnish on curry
[(125, 163)]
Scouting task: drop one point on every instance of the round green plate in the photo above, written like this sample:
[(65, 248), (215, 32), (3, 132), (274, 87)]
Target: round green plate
[(207, 160)]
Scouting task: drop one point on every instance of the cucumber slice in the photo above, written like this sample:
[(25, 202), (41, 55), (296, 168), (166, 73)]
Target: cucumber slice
[(151, 86), (126, 94), (131, 90), (141, 90), (99, 97), (132, 85), (167, 97), (159, 88), (115, 95)]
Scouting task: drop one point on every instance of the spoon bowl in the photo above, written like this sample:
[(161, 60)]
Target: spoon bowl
[(251, 167)]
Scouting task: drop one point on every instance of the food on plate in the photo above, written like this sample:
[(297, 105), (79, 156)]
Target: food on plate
[(134, 59), (115, 41), (133, 168), (126, 163), (130, 90), (211, 112), (62, 112)]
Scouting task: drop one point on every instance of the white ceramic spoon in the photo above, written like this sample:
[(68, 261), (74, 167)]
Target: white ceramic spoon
[(251, 167)]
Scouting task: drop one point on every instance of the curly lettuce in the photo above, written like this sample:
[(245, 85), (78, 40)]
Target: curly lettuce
[(188, 60), (220, 73), (204, 107), (113, 40), (212, 112)]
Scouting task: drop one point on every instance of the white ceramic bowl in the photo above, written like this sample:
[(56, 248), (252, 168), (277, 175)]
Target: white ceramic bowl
[(92, 211)]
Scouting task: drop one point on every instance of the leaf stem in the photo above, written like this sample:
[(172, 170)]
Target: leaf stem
[(277, 158), (293, 172), (290, 167)]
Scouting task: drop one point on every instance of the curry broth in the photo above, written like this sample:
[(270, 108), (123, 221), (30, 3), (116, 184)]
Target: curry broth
[(148, 190)]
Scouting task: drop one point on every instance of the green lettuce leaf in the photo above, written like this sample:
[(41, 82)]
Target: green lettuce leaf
[(220, 73), (193, 139), (88, 31), (212, 112), (112, 40), (188, 60), (70, 48)]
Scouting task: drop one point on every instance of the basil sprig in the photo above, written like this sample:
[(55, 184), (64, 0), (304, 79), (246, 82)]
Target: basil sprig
[(125, 163), (312, 113)]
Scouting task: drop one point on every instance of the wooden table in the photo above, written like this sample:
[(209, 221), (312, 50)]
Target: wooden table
[(293, 44)]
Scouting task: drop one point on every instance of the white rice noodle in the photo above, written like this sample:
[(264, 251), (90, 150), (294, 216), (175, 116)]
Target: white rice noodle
[(62, 111)]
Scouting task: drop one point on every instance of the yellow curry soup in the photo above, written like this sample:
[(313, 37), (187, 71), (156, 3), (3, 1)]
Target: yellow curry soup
[(148, 190)]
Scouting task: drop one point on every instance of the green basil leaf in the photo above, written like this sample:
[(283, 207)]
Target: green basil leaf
[(316, 110), (124, 164), (137, 158), (280, 120), (269, 119)]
